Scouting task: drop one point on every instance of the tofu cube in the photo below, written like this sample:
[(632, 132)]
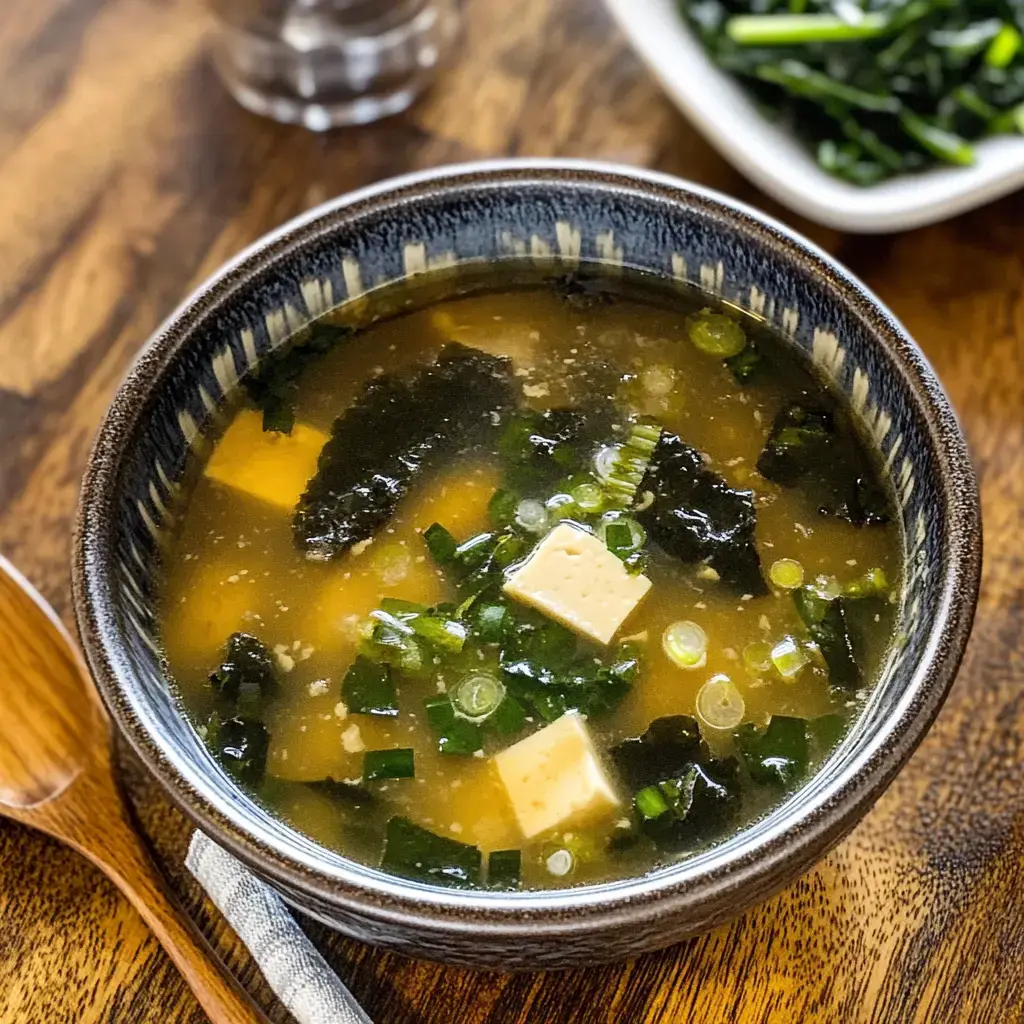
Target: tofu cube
[(269, 466), (554, 778), (573, 578)]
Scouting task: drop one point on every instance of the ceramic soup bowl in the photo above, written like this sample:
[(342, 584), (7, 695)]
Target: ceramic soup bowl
[(564, 213)]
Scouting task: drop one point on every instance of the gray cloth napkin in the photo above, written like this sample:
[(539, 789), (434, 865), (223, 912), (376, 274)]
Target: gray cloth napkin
[(310, 991)]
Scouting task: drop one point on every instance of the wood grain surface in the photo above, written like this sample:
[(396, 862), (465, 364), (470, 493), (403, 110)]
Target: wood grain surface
[(126, 175)]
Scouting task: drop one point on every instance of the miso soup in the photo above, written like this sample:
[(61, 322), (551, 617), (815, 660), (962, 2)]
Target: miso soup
[(529, 582)]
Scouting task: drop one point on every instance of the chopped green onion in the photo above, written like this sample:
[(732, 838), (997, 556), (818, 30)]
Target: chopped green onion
[(604, 461), (801, 80), (872, 584), (454, 735), (395, 763), (717, 334), (789, 658), (632, 460), (559, 507), (444, 634), (471, 554), (1004, 47), (560, 863), (478, 696), (532, 516), (504, 869), (720, 704), (686, 644), (827, 588), (622, 535), (787, 573), (757, 657), (793, 29), (368, 690), (650, 803), (502, 508), (588, 497), (440, 543)]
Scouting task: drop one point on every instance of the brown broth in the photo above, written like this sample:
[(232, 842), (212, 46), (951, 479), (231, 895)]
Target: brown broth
[(234, 566)]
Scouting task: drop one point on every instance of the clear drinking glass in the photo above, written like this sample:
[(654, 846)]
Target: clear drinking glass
[(326, 63)]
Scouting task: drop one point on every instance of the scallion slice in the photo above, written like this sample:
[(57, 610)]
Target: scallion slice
[(478, 696), (717, 334), (720, 704), (787, 573), (789, 658), (686, 644)]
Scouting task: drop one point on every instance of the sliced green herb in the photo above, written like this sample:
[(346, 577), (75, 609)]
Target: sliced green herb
[(454, 735), (368, 689), (395, 763)]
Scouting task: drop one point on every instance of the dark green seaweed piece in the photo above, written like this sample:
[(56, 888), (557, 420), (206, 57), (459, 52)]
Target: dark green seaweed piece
[(827, 627), (396, 428), (746, 366), (666, 749), (240, 744), (440, 543), (696, 804), (697, 517), (504, 869), (413, 852), (540, 449), (807, 448), (274, 385), (368, 689), (542, 666), (393, 763), (584, 293), (349, 793), (776, 755), (246, 674), (455, 735)]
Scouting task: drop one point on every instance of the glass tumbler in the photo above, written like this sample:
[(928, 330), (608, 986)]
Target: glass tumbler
[(327, 63)]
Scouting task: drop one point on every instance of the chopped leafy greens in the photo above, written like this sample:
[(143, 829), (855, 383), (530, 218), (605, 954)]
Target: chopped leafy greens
[(898, 88), (394, 763), (696, 517), (274, 385), (397, 427), (414, 852), (747, 365), (246, 675), (806, 447), (367, 689), (776, 755)]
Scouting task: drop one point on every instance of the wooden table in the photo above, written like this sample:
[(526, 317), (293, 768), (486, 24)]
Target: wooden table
[(127, 175)]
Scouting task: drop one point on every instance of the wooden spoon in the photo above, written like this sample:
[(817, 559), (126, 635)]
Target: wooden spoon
[(56, 775)]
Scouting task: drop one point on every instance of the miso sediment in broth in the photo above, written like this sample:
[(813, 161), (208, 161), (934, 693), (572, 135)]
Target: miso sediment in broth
[(536, 586)]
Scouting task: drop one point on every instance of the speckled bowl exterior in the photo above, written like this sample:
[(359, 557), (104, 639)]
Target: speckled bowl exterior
[(567, 212)]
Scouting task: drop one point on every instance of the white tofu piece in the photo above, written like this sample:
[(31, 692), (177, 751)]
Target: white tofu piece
[(554, 777), (573, 578)]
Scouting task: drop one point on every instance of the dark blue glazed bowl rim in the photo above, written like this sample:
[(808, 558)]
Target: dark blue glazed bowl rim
[(814, 818)]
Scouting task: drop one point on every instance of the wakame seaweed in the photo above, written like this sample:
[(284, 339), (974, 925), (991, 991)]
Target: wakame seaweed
[(414, 852), (697, 517), (246, 674), (274, 385), (398, 427), (878, 91), (241, 745), (808, 448), (777, 754), (680, 792), (827, 627)]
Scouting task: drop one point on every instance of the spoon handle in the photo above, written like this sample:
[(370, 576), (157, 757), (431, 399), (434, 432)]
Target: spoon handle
[(91, 815)]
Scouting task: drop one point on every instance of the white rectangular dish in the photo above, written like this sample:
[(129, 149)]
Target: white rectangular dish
[(773, 159)]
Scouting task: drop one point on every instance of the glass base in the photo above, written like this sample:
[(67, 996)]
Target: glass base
[(314, 68)]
